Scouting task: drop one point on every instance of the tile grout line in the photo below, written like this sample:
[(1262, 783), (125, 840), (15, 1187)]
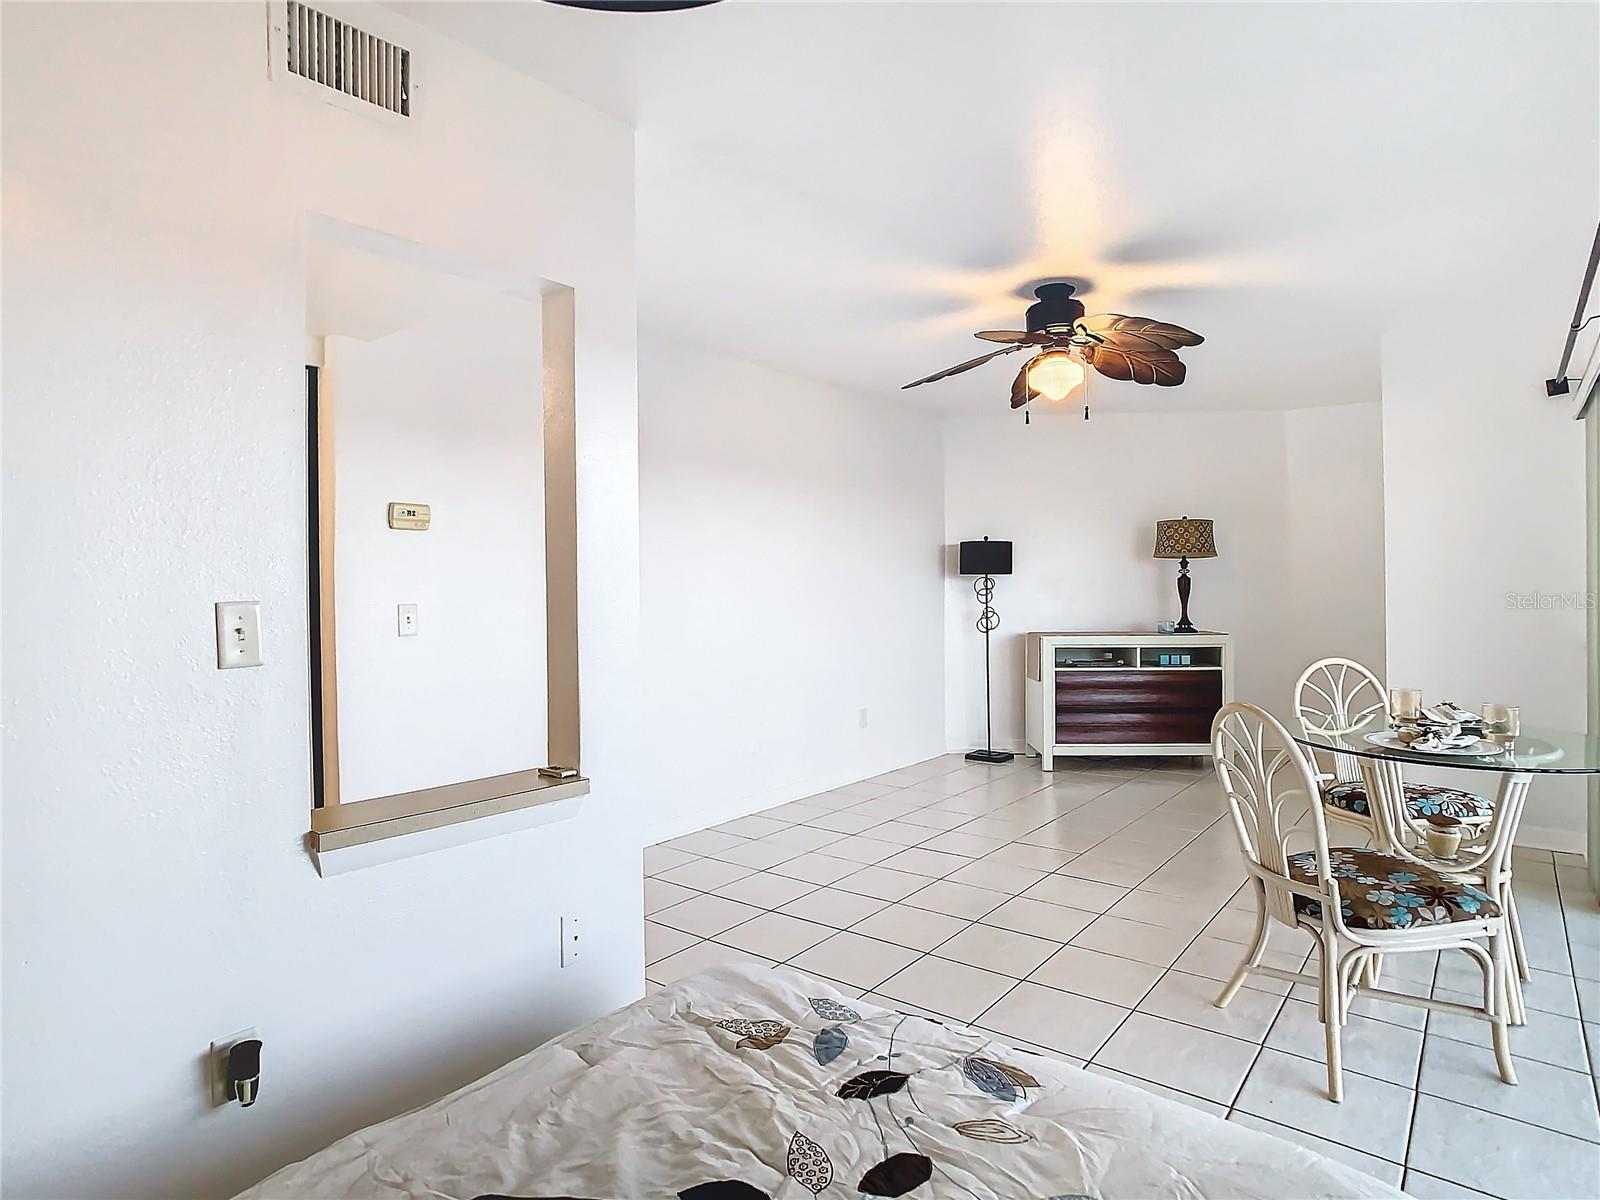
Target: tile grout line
[(1091, 806), (1422, 1059), (938, 833), (906, 898), (1589, 1048)]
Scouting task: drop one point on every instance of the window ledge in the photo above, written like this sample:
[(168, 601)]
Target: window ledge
[(347, 837)]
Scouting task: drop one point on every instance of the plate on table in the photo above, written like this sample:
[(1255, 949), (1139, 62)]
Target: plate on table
[(1478, 749)]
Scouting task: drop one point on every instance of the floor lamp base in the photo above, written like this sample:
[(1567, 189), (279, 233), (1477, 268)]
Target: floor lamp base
[(990, 756)]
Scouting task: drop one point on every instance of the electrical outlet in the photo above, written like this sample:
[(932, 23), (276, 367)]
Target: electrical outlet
[(863, 718), (217, 1065), (569, 940)]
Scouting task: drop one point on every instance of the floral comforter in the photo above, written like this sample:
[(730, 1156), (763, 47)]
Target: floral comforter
[(741, 1084)]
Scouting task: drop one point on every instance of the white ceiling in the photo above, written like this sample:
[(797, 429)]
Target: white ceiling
[(849, 190)]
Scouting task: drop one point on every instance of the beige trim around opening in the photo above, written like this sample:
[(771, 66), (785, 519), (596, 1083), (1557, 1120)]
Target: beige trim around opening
[(342, 823), (558, 321), (432, 808)]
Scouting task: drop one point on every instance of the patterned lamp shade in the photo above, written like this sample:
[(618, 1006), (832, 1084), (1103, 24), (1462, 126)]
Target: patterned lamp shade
[(1185, 537)]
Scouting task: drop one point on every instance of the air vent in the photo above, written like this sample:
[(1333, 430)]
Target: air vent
[(337, 55)]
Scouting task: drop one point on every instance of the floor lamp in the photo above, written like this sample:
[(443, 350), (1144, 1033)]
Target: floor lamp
[(986, 559)]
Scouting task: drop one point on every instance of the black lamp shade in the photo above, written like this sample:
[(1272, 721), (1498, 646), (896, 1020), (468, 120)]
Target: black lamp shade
[(985, 558)]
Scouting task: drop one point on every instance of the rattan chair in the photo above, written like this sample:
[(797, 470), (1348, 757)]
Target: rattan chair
[(1354, 903)]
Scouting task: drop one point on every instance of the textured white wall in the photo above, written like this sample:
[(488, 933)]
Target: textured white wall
[(157, 893), (1333, 497), (449, 413), (791, 576), (1484, 515)]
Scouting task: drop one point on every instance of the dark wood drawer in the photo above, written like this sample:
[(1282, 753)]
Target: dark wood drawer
[(1151, 726), (1134, 691)]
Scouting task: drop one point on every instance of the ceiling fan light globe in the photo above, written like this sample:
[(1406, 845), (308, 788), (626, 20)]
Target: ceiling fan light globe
[(1055, 375)]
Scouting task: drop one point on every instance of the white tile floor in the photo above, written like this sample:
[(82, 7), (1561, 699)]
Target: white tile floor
[(1092, 913)]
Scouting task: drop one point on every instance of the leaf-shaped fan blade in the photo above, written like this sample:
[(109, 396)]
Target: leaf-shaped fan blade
[(1021, 393), (1160, 367), (1135, 342), (1020, 336), (1169, 337), (960, 367)]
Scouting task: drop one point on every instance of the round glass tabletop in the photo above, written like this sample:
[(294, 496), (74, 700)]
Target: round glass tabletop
[(1537, 750)]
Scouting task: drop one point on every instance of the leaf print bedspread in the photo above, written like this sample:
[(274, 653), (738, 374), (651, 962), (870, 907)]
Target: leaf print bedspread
[(741, 1084)]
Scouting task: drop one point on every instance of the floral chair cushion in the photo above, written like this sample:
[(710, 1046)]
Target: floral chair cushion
[(1422, 801), (1379, 891)]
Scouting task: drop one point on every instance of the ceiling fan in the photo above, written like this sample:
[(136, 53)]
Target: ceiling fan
[(1137, 349)]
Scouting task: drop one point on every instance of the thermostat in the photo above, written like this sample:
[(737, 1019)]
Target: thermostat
[(409, 516)]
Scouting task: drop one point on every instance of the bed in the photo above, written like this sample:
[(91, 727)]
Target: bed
[(739, 1084)]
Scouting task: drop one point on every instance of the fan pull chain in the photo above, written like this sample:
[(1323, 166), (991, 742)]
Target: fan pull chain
[(1085, 412)]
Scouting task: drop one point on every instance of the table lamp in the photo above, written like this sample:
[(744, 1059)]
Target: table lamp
[(986, 559), (1183, 539)]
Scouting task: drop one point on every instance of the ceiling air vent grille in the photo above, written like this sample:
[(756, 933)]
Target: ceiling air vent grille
[(337, 55)]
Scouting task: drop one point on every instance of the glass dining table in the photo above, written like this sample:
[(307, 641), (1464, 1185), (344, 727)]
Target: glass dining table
[(1484, 857)]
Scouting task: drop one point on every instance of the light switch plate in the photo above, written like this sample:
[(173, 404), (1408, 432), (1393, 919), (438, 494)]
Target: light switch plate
[(405, 616), (238, 634)]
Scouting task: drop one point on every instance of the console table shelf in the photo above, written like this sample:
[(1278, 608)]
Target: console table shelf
[(1107, 693)]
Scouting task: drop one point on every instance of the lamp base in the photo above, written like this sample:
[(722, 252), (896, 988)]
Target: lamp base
[(1185, 626), (990, 756)]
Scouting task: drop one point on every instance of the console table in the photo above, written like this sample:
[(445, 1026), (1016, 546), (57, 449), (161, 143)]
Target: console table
[(1108, 693)]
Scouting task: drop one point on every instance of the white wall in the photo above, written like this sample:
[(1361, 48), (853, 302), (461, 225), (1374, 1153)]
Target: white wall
[(449, 413), (157, 892), (1080, 501), (791, 576), (1467, 429), (1333, 477)]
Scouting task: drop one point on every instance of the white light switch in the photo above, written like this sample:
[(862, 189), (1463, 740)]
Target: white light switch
[(238, 634), (406, 620)]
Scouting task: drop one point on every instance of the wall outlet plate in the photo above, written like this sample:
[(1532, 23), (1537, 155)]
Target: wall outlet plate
[(570, 927), (217, 1065)]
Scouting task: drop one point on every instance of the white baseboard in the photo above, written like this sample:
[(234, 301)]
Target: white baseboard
[(771, 797), (1016, 747), (1545, 837)]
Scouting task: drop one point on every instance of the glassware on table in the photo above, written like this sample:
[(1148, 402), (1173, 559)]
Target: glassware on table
[(1405, 704), (1501, 722)]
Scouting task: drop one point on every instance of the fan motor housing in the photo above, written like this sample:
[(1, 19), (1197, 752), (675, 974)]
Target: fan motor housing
[(1055, 310)]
